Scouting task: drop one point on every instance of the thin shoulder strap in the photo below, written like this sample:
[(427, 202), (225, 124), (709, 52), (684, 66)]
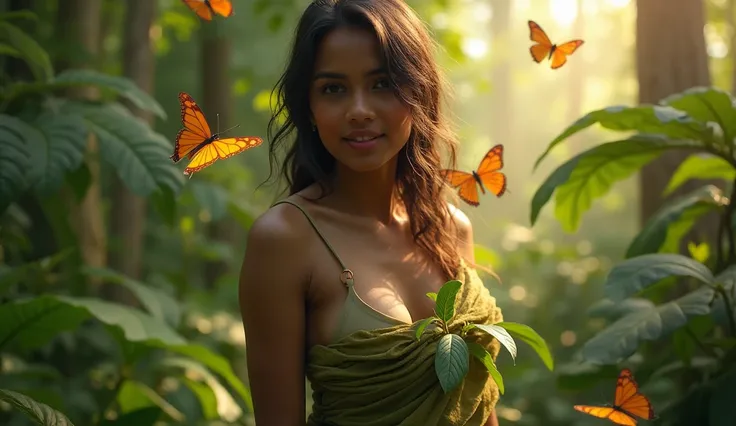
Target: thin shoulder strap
[(347, 275)]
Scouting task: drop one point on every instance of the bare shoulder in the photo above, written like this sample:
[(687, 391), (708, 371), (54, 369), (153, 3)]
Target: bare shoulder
[(282, 227), (464, 232)]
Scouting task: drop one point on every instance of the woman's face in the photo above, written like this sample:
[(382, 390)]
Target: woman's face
[(360, 119)]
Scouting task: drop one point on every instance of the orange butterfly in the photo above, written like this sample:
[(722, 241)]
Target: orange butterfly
[(199, 144), (545, 48), (628, 403), (487, 177), (205, 9)]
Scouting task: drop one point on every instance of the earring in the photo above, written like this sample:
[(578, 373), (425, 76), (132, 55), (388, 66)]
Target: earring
[(314, 127)]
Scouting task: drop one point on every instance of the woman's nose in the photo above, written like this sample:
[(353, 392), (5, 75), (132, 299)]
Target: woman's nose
[(360, 108)]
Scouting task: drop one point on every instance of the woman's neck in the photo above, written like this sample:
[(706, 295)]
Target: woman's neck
[(368, 194)]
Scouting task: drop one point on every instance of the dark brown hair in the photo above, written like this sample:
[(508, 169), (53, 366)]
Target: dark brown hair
[(407, 51)]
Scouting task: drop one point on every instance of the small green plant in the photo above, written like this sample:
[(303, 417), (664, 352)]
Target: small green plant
[(452, 359)]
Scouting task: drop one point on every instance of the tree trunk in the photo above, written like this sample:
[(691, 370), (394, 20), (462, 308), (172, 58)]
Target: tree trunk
[(668, 62), (79, 23), (216, 101), (128, 215)]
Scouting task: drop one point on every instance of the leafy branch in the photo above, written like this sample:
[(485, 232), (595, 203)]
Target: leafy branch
[(452, 359)]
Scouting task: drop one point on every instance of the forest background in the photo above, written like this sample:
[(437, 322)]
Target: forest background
[(118, 277)]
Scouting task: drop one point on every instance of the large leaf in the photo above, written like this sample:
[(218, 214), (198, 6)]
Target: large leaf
[(140, 156), (727, 279), (680, 214), (37, 59), (622, 338), (451, 361), (486, 359), (653, 119), (30, 323), (596, 170), (502, 336), (700, 166), (14, 158), (445, 304), (532, 338), (159, 304), (135, 396), (607, 308), (41, 414), (57, 147), (708, 104), (636, 274), (119, 85)]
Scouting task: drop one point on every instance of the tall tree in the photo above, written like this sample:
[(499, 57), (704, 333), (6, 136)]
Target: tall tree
[(128, 214), (667, 62)]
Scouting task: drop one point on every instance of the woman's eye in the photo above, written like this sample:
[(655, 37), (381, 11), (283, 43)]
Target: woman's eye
[(331, 88), (383, 84)]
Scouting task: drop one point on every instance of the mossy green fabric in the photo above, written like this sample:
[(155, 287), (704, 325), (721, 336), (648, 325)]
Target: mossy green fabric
[(386, 377)]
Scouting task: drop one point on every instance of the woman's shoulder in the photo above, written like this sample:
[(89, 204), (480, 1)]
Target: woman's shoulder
[(460, 221), (280, 227)]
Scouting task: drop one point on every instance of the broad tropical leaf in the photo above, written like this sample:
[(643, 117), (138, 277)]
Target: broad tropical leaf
[(40, 413), (596, 170), (15, 158), (653, 119), (708, 104), (622, 338), (140, 156), (32, 53), (678, 215), (57, 148), (502, 336), (452, 361), (607, 308), (700, 166), (638, 273)]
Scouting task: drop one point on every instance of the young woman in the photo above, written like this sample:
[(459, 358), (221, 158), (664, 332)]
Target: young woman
[(336, 275)]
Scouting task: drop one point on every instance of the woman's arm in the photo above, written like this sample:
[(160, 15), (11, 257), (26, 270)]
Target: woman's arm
[(273, 283)]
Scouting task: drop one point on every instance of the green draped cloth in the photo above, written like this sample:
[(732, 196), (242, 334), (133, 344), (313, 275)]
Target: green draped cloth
[(386, 377)]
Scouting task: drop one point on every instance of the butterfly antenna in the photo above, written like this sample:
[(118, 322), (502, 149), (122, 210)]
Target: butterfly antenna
[(218, 124), (227, 130)]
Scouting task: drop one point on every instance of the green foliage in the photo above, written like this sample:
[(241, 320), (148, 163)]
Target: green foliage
[(656, 293), (452, 358), (39, 412)]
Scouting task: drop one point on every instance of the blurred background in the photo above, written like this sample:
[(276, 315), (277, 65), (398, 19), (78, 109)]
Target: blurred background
[(175, 251)]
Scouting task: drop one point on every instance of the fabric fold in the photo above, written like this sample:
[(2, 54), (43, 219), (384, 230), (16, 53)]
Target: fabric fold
[(386, 377)]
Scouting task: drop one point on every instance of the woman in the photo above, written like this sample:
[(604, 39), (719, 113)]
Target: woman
[(335, 275)]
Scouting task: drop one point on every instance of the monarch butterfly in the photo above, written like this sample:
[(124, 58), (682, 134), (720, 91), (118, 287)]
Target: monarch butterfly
[(199, 144), (627, 403), (545, 48), (205, 9), (487, 177)]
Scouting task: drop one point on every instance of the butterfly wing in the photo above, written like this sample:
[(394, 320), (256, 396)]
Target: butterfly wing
[(223, 7), (195, 131), (493, 180), (629, 399), (465, 184), (200, 8), (540, 50), (220, 149), (559, 57), (609, 413)]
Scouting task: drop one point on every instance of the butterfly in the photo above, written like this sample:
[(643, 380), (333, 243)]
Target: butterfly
[(545, 48), (487, 177), (199, 144), (205, 9), (627, 403)]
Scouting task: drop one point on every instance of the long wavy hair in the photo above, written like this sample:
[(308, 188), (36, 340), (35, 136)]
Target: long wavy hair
[(407, 52)]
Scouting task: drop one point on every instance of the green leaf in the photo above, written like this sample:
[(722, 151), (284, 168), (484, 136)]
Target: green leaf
[(700, 166), (31, 323), (140, 156), (194, 369), (533, 339), (708, 104), (147, 416), (423, 325), (34, 55), (679, 215), (502, 336), (213, 199), (638, 273), (432, 296), (622, 338), (445, 305), (727, 279), (119, 85), (40, 413), (159, 304), (452, 361), (14, 159), (135, 396), (485, 358), (596, 170), (654, 119), (57, 147), (607, 308)]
